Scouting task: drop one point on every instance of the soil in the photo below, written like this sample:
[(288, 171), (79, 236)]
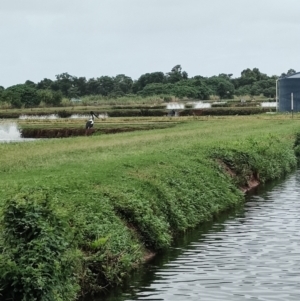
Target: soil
[(252, 182), (67, 132)]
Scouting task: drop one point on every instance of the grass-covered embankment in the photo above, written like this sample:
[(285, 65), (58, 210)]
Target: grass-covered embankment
[(113, 199), (134, 111), (66, 127)]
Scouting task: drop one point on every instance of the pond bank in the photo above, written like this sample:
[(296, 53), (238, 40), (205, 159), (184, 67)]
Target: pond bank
[(119, 199), (74, 132), (69, 132), (255, 245)]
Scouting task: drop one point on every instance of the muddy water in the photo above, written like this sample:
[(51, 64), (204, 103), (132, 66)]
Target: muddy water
[(251, 254)]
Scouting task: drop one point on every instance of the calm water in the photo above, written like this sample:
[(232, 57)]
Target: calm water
[(252, 254)]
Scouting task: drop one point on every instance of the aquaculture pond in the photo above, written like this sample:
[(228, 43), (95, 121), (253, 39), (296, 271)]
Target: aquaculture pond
[(54, 126), (250, 254), (9, 132)]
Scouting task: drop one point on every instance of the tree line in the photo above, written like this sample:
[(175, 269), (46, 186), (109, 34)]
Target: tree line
[(174, 83)]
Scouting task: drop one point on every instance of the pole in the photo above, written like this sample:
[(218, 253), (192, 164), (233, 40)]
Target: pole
[(292, 103), (276, 95)]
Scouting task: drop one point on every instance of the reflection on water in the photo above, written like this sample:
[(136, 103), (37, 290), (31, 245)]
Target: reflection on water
[(253, 254)]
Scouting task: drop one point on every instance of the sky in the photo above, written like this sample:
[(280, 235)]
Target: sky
[(92, 38)]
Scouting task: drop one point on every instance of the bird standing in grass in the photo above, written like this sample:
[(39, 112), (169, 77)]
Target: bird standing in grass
[(90, 123)]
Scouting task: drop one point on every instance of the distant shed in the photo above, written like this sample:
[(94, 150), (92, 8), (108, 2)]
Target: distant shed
[(287, 86)]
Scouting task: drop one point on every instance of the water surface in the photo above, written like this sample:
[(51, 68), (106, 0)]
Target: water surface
[(251, 254), (9, 132)]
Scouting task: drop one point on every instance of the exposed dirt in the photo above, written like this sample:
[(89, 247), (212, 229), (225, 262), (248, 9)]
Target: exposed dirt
[(149, 255), (252, 181), (67, 132)]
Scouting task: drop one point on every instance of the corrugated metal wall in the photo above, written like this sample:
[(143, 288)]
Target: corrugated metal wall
[(286, 86)]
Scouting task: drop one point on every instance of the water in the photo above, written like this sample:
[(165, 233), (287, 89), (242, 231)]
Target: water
[(175, 106), (9, 132), (202, 105), (251, 254), (269, 104)]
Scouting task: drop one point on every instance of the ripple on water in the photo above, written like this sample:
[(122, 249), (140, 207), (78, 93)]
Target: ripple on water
[(254, 256)]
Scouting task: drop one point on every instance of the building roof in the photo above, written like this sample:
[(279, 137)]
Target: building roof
[(296, 75)]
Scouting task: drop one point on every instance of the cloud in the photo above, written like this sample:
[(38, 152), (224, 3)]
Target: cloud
[(108, 37)]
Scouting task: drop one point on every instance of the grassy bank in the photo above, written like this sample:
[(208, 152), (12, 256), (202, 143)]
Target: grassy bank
[(136, 110), (65, 127), (111, 200)]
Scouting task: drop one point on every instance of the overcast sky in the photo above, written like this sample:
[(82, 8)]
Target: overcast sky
[(91, 38)]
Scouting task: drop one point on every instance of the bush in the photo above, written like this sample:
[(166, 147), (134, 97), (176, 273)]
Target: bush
[(35, 263), (64, 114), (262, 159)]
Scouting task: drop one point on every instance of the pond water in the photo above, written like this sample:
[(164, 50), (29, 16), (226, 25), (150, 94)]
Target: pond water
[(250, 254), (9, 132)]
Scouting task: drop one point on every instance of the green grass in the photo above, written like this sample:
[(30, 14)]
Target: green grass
[(127, 193), (99, 123), (102, 104)]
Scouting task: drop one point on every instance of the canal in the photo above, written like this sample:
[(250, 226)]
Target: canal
[(250, 254)]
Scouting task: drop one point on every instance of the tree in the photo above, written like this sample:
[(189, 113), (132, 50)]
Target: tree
[(225, 89), (157, 89), (203, 91), (81, 85), (148, 78), (290, 72), (50, 97), (243, 90), (226, 76), (26, 94), (64, 82), (176, 74), (186, 88), (254, 91), (262, 85), (270, 92), (185, 91), (2, 94), (11, 97), (92, 86), (44, 84), (199, 77), (73, 92), (105, 85), (122, 84), (248, 76), (220, 85), (30, 84)]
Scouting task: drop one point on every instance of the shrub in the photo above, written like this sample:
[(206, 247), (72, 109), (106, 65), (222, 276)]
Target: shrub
[(35, 263), (64, 114), (297, 147)]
